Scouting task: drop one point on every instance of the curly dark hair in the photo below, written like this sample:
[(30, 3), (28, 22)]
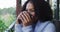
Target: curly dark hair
[(42, 9)]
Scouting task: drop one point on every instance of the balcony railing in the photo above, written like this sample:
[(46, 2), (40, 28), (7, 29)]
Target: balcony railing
[(11, 27)]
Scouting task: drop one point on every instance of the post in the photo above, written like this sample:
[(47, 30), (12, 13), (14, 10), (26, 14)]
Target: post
[(57, 10), (18, 7)]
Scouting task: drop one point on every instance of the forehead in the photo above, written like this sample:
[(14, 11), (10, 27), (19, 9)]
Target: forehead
[(29, 6)]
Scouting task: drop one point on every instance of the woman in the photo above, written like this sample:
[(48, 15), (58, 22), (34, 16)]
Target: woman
[(36, 16)]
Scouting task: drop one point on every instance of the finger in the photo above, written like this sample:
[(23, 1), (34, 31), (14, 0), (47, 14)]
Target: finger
[(24, 19), (26, 16), (20, 17)]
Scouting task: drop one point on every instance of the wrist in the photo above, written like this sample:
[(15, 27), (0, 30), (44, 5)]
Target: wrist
[(25, 25)]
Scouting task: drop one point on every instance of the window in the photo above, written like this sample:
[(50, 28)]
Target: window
[(55, 8), (7, 13), (23, 1)]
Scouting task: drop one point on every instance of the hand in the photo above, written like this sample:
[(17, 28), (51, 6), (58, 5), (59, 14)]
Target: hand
[(18, 21), (25, 18)]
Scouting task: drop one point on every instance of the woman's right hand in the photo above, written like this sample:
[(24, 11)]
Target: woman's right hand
[(18, 21)]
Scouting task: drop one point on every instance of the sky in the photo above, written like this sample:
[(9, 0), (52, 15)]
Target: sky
[(23, 1), (7, 3)]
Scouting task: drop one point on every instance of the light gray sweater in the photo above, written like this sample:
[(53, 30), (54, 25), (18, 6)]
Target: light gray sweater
[(39, 27)]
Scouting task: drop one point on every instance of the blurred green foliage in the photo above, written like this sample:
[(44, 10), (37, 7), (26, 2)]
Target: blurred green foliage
[(10, 10), (2, 26), (7, 17)]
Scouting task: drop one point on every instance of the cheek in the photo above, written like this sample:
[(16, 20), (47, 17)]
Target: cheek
[(33, 13)]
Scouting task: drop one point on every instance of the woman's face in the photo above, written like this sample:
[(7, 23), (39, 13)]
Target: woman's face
[(30, 9)]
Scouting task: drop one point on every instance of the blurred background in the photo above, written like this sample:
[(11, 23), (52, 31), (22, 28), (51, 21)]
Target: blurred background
[(7, 13)]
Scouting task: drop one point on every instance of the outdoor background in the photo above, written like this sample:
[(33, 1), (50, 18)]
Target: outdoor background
[(7, 13)]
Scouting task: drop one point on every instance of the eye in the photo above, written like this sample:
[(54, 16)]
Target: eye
[(31, 10)]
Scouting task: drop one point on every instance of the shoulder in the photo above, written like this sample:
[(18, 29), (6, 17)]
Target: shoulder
[(49, 24), (50, 27), (46, 23), (46, 26)]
